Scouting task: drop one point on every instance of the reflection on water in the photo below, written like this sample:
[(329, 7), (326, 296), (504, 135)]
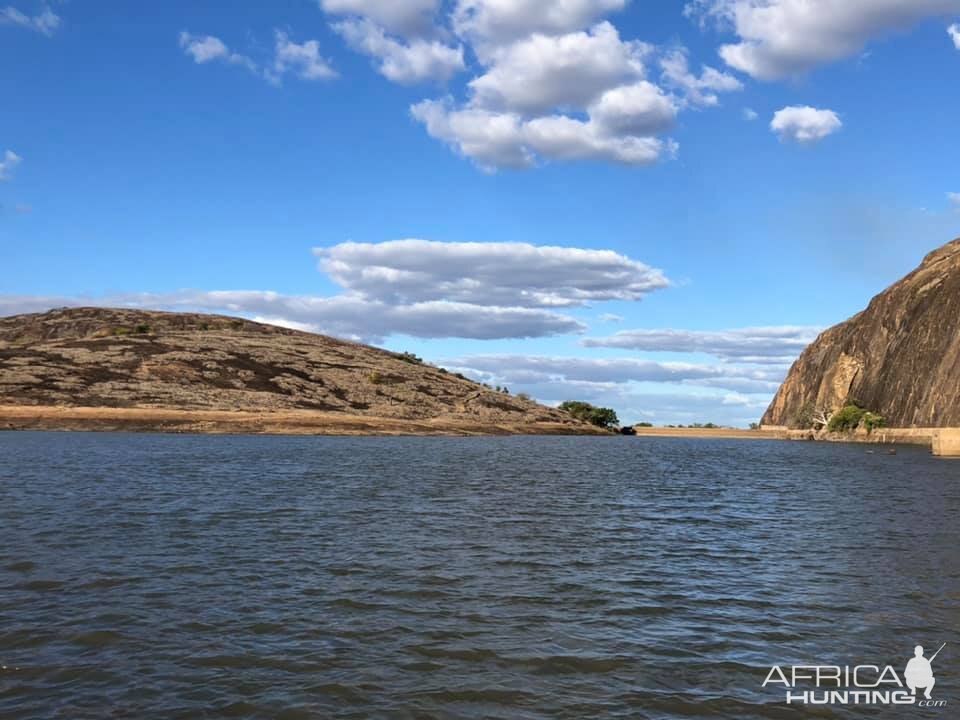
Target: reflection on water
[(183, 577)]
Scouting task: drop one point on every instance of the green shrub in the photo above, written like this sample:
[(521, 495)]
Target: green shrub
[(121, 331), (141, 329), (601, 417), (846, 419), (643, 424), (236, 324), (376, 378), (524, 397), (872, 421)]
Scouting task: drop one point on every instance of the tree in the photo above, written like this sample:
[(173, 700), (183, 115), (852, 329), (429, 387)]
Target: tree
[(601, 417), (846, 419)]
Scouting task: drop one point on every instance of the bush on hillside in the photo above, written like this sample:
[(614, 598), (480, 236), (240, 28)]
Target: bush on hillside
[(601, 417)]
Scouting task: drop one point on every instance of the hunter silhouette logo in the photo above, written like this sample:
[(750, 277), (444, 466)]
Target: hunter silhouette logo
[(859, 684), (919, 673)]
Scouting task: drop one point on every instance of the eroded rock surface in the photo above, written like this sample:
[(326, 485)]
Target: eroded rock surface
[(900, 357)]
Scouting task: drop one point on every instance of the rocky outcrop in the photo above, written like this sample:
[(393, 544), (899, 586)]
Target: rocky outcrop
[(115, 358), (900, 357)]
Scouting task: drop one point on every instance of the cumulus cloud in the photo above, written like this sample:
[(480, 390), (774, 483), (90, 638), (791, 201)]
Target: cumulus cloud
[(576, 96), (952, 197), (207, 48), (774, 345), (555, 80), (10, 161), (780, 38), (638, 110), (954, 32), (804, 124), (485, 274), (402, 62), (400, 17), (46, 22), (498, 22), (497, 140), (541, 73), (750, 114), (700, 91), (301, 59)]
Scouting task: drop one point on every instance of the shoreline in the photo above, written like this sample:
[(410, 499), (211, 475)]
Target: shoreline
[(240, 422)]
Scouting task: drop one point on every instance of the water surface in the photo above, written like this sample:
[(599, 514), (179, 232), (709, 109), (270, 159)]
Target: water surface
[(268, 577)]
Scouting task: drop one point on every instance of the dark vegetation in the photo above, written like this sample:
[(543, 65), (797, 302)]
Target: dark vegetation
[(601, 417)]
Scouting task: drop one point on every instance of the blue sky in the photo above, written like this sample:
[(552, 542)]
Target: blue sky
[(778, 162)]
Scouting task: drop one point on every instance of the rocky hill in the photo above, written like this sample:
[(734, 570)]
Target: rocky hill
[(115, 358), (900, 357)]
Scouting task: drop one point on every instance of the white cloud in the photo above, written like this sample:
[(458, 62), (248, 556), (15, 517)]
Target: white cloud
[(804, 124), (952, 197), (487, 274), (954, 32), (775, 345), (529, 369), (564, 138), (303, 59), (701, 91), (750, 114), (421, 288), (400, 17), (641, 109), (493, 140), (541, 73), (10, 161), (555, 81), (506, 140), (46, 23), (780, 38), (498, 22), (610, 318), (207, 48), (400, 62)]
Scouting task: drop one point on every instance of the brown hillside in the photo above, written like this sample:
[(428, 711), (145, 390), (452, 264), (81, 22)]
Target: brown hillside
[(116, 358)]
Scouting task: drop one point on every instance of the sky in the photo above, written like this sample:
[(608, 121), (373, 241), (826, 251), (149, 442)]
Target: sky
[(648, 206)]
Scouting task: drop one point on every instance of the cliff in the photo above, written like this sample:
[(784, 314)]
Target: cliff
[(139, 363), (900, 357)]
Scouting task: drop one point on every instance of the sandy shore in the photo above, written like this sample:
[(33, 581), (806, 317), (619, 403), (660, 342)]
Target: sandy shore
[(305, 422), (292, 422)]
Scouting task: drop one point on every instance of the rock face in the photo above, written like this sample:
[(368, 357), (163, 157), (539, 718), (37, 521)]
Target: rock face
[(900, 357), (95, 357)]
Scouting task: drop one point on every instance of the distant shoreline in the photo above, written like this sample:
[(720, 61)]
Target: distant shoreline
[(706, 433), (286, 422)]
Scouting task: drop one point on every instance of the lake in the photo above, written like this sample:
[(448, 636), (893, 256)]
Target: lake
[(272, 577)]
